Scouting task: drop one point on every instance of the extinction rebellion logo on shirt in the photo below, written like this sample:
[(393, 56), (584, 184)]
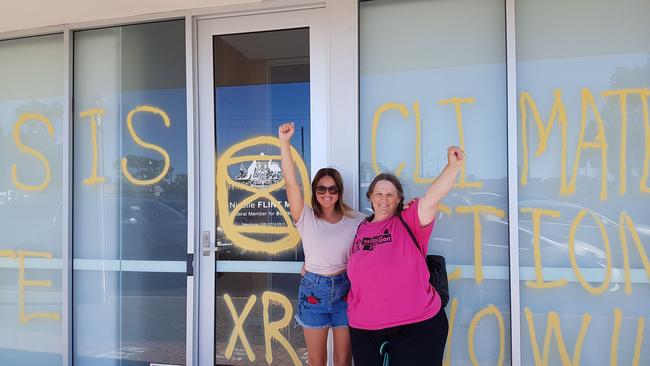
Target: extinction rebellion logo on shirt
[(369, 243)]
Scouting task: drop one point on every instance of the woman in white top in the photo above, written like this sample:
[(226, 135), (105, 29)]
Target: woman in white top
[(327, 229)]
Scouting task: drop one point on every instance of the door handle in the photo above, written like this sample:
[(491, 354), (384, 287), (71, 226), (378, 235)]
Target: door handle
[(206, 244)]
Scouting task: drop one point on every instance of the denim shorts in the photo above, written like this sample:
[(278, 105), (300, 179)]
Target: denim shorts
[(322, 301)]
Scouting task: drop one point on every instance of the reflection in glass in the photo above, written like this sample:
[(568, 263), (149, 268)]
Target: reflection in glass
[(130, 194), (582, 204), (31, 199), (261, 80), (257, 88), (272, 301), (432, 74)]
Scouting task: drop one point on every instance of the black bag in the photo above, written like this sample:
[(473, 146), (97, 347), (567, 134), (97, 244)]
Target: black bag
[(437, 269)]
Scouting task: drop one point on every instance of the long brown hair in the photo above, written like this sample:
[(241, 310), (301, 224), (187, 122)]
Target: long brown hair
[(395, 181), (339, 206)]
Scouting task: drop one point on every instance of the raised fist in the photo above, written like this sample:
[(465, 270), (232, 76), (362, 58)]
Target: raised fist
[(455, 156), (285, 131)]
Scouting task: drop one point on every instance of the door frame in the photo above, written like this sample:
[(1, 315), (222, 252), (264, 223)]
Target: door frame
[(205, 265)]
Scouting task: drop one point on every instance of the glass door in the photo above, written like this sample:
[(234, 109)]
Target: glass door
[(255, 73)]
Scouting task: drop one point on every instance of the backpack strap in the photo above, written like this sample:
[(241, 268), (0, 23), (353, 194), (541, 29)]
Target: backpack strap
[(415, 242), (366, 219)]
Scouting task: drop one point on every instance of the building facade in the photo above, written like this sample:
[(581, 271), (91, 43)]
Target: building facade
[(142, 215)]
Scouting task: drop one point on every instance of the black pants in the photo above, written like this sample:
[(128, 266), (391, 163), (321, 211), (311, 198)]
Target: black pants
[(417, 344)]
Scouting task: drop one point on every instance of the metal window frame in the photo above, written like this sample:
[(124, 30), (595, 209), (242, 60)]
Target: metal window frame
[(192, 350), (312, 17), (513, 174), (67, 199)]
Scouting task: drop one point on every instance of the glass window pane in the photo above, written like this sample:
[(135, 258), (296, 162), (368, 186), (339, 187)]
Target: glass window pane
[(261, 80), (583, 75), (273, 303), (130, 194), (31, 194), (432, 74)]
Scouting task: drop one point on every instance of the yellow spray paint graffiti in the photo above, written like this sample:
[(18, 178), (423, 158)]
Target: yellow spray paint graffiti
[(613, 349), (375, 125), (227, 217), (626, 221), (458, 102), (639, 341), (537, 219), (95, 176), (23, 283), (238, 328), (477, 210), (529, 113), (590, 136), (643, 184), (93, 114), (600, 142), (272, 329), (138, 140), (558, 111), (622, 94), (11, 254), (553, 326), (403, 109), (31, 151), (572, 254), (490, 309)]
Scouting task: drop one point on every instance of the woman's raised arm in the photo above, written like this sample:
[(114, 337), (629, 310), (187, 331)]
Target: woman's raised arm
[(294, 195), (427, 207)]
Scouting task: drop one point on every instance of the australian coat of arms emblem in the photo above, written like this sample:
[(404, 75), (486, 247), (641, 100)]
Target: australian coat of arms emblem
[(260, 173)]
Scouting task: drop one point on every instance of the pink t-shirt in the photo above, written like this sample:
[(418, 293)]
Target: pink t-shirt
[(389, 275)]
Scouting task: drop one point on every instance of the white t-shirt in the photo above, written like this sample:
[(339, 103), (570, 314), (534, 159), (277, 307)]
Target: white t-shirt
[(327, 246)]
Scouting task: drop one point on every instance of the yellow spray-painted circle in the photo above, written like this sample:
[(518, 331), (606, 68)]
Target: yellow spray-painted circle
[(227, 217)]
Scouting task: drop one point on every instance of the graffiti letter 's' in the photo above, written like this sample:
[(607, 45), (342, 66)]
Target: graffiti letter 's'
[(31, 151), (138, 140)]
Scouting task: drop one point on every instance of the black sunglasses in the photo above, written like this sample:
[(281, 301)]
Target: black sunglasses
[(330, 189)]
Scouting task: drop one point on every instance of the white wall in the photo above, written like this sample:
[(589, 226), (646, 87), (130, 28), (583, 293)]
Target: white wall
[(27, 14)]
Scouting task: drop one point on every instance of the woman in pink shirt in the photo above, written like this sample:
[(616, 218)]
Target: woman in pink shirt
[(391, 305)]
